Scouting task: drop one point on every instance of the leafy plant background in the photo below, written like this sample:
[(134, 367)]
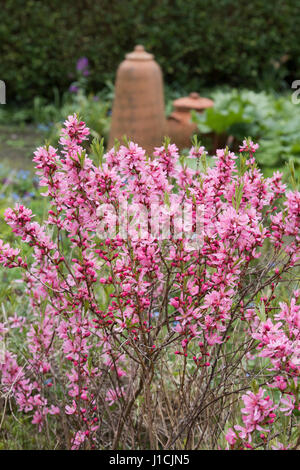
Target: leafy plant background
[(197, 43)]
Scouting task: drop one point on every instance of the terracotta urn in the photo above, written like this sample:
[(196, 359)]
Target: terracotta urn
[(180, 128), (138, 109)]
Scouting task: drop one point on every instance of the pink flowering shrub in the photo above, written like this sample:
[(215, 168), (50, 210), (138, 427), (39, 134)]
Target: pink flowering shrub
[(129, 339)]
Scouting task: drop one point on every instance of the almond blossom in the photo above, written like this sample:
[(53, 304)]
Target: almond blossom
[(120, 304)]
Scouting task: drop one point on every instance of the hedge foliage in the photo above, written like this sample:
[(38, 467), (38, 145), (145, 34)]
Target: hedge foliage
[(198, 43)]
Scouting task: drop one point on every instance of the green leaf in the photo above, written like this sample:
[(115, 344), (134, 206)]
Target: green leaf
[(261, 312), (254, 386), (97, 148)]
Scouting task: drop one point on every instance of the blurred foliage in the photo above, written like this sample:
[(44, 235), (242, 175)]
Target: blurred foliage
[(48, 116), (271, 120), (18, 433), (199, 44), (93, 111), (17, 187)]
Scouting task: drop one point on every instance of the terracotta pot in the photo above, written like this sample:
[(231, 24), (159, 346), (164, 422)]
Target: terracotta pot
[(138, 110), (180, 128)]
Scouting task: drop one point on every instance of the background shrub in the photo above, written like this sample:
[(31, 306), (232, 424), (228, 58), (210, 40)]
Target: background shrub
[(198, 43)]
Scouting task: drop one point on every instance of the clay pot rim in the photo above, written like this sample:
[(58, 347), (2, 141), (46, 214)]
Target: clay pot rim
[(193, 101)]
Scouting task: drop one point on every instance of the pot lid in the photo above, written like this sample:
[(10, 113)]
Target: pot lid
[(193, 101), (139, 53)]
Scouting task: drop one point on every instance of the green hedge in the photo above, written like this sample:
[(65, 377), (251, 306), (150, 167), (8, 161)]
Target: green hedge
[(199, 43)]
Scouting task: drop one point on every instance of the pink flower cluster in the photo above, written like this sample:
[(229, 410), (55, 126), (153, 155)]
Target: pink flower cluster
[(257, 413), (101, 308)]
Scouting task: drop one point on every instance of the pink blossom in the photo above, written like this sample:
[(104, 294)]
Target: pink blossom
[(113, 395), (289, 405), (71, 409)]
